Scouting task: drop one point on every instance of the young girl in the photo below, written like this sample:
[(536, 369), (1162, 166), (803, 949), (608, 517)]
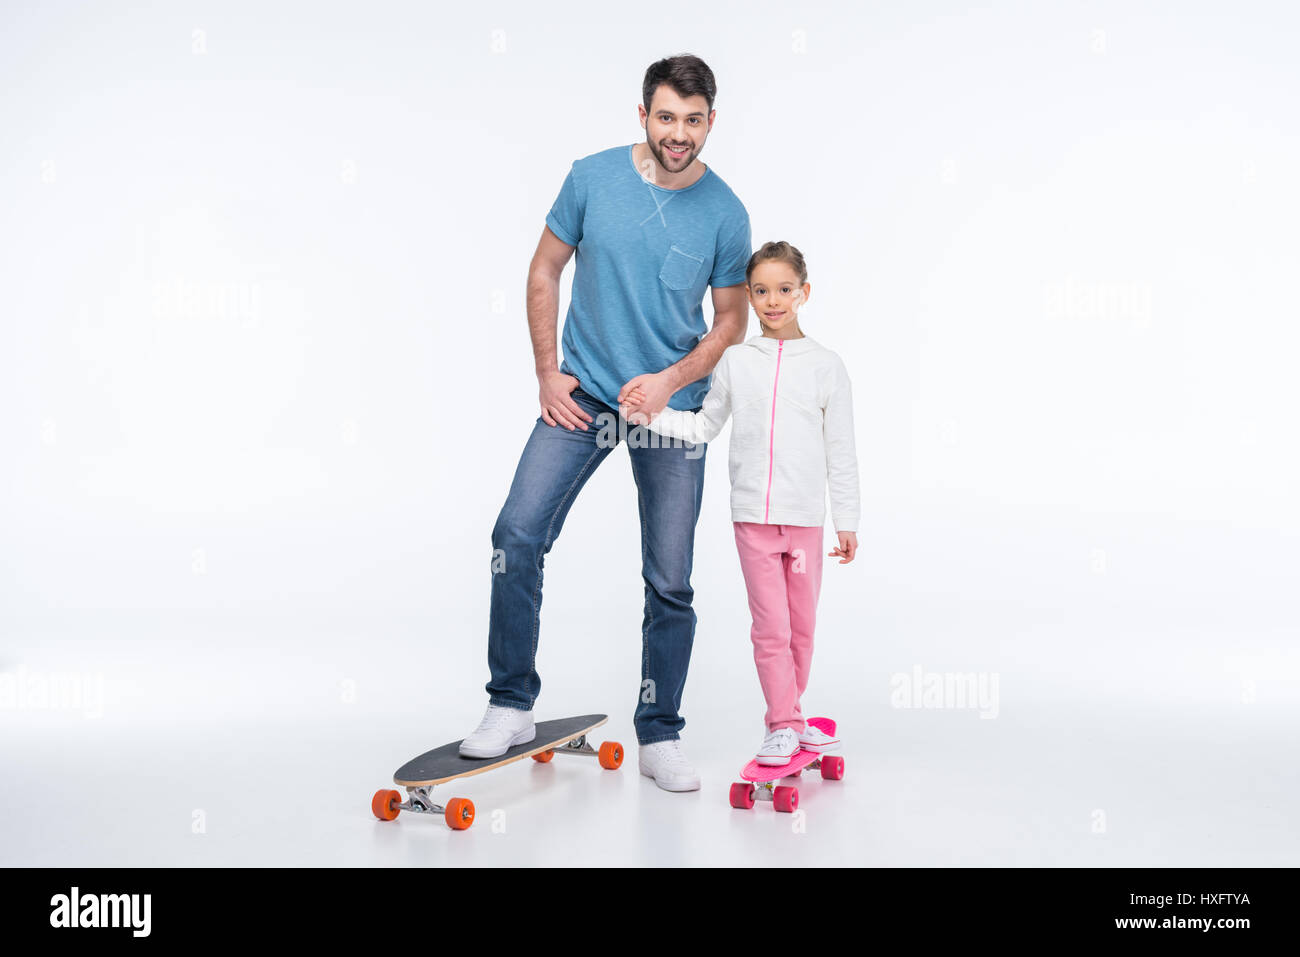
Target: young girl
[(791, 440)]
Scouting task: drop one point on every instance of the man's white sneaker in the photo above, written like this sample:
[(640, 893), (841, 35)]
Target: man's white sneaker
[(665, 762), (500, 729), (778, 748), (815, 739)]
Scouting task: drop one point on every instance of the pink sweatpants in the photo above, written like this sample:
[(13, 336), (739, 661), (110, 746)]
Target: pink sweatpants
[(782, 565)]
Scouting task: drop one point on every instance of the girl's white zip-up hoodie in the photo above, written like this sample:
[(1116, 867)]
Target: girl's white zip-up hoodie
[(792, 436)]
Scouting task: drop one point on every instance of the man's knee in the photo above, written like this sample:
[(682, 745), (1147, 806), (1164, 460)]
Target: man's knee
[(671, 585), (514, 528)]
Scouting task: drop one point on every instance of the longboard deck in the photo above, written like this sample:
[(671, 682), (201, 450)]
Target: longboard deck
[(446, 764)]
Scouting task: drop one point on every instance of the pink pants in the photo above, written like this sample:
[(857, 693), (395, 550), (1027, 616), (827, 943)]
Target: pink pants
[(782, 565)]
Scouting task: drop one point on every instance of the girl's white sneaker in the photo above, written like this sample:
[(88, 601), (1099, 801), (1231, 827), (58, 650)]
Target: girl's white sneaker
[(815, 739), (778, 748)]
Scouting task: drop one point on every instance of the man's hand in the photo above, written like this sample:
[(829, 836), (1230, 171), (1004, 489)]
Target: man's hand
[(645, 396), (848, 547), (557, 402)]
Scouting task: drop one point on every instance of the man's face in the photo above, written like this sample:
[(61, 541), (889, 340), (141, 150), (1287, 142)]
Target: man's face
[(675, 122)]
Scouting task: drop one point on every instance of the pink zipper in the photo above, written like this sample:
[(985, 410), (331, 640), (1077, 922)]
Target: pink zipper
[(771, 440)]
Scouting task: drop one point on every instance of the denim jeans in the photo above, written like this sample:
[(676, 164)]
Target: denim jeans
[(552, 470)]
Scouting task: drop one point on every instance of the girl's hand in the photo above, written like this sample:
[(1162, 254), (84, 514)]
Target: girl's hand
[(630, 401), (848, 547), (644, 396)]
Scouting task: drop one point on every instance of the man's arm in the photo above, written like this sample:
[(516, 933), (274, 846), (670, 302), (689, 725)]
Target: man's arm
[(730, 307), (555, 388), (702, 426)]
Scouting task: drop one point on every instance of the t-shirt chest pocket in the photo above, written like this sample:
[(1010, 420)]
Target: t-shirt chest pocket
[(680, 268)]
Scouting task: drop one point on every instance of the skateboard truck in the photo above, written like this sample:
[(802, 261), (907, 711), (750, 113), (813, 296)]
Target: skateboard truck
[(459, 814), (764, 790), (610, 754), (420, 800), (578, 746)]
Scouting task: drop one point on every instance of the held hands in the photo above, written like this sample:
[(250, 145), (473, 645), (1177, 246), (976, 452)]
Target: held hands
[(848, 547), (643, 397), (635, 398)]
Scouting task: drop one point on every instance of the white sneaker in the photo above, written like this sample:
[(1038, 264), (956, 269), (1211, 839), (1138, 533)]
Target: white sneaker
[(665, 762), (778, 748), (500, 729), (815, 739)]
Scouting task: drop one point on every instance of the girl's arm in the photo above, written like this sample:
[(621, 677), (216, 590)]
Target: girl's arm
[(841, 454), (702, 426)]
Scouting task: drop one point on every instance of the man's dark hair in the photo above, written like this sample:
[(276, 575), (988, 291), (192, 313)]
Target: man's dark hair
[(688, 75)]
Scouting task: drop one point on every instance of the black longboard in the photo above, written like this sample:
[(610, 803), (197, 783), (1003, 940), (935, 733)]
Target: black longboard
[(420, 774)]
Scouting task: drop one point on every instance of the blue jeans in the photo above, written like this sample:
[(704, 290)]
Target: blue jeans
[(554, 467)]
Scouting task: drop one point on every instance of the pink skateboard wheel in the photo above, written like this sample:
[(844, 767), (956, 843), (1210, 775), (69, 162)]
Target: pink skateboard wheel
[(832, 768), (785, 799), (742, 796)]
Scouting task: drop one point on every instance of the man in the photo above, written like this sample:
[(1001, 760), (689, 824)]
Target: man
[(652, 227)]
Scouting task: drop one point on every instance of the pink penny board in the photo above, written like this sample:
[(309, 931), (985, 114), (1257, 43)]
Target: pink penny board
[(761, 773)]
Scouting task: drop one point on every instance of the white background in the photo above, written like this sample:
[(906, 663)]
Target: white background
[(265, 376)]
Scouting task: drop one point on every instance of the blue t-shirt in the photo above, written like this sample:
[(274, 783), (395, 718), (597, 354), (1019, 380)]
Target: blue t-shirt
[(644, 257)]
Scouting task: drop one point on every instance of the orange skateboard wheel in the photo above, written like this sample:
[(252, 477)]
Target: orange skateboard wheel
[(459, 813), (385, 804), (610, 755), (544, 756)]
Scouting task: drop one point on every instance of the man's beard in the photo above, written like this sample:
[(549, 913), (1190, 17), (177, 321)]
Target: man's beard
[(663, 156)]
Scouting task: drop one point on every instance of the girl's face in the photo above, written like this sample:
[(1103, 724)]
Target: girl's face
[(777, 296)]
